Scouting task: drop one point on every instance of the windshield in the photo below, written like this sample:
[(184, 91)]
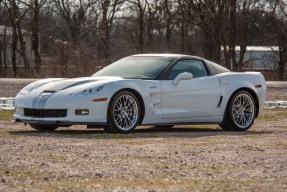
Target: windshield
[(143, 67)]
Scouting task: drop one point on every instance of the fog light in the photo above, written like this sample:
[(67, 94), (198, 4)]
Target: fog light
[(82, 112)]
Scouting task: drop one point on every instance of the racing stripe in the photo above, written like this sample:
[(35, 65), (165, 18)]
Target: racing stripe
[(35, 102), (40, 101), (43, 101)]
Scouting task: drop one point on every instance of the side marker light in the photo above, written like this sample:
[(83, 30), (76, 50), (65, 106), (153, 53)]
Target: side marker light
[(258, 86), (100, 99)]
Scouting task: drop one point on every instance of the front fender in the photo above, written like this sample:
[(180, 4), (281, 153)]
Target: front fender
[(150, 92)]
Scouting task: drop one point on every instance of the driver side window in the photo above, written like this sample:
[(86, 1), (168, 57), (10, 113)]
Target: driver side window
[(195, 67)]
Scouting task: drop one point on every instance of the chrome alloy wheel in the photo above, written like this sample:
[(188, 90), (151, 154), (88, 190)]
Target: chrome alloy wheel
[(243, 110), (125, 112)]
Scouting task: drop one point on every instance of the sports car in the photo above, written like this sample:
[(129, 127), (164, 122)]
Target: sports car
[(146, 89)]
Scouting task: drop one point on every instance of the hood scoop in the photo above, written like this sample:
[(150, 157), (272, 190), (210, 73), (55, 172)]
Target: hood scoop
[(46, 93)]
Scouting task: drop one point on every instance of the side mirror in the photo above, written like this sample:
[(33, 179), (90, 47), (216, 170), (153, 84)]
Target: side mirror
[(182, 76)]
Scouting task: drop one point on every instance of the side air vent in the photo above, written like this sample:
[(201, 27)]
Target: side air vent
[(219, 102)]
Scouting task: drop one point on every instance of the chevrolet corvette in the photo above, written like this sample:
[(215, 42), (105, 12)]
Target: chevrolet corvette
[(162, 90)]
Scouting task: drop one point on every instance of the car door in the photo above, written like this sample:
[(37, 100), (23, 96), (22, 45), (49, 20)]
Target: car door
[(198, 97)]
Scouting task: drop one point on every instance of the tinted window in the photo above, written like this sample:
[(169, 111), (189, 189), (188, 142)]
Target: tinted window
[(136, 67), (195, 67), (217, 68)]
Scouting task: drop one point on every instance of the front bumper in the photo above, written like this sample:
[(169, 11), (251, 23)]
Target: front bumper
[(61, 123), (97, 110)]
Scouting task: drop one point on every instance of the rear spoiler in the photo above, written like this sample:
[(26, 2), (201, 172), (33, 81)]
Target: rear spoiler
[(252, 72)]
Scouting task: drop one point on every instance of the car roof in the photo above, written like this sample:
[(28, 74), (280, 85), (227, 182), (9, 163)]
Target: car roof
[(170, 55)]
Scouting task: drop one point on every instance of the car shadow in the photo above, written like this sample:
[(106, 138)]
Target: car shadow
[(150, 132)]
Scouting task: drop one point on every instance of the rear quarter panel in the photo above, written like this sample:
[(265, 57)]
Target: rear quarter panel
[(231, 82)]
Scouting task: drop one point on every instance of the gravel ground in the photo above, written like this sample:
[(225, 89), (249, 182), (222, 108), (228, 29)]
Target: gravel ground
[(184, 158), (276, 94)]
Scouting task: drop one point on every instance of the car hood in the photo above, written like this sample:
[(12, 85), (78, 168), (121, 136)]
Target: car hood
[(76, 83)]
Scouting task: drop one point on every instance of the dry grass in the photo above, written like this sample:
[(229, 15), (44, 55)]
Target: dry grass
[(6, 114)]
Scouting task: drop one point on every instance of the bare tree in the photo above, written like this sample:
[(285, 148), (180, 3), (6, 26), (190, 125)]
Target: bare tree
[(183, 24), (16, 17), (150, 21), (244, 34), (74, 26), (209, 17), (1, 49), (36, 6), (239, 23), (78, 35), (74, 14), (279, 35), (232, 33), (35, 22), (140, 8), (109, 8), (168, 20)]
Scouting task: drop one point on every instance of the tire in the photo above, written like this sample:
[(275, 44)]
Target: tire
[(124, 113), (43, 128), (240, 112), (164, 126)]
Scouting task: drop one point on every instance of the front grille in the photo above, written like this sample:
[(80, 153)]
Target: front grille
[(45, 112)]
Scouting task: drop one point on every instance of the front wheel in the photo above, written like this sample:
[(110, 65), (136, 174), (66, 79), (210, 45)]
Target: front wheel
[(240, 112), (43, 128), (124, 113)]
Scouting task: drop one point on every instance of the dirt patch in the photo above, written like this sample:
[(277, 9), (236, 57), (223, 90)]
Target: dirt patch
[(276, 94), (184, 158)]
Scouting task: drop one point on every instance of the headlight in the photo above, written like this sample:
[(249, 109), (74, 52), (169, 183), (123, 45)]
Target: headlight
[(27, 89), (88, 90)]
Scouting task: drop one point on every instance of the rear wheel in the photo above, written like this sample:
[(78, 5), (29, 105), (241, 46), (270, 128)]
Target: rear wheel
[(124, 113), (240, 112), (43, 127)]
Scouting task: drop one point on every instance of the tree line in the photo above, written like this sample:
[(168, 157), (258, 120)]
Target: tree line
[(76, 37)]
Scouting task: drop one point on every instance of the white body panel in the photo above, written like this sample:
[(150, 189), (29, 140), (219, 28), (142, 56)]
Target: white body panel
[(197, 97)]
